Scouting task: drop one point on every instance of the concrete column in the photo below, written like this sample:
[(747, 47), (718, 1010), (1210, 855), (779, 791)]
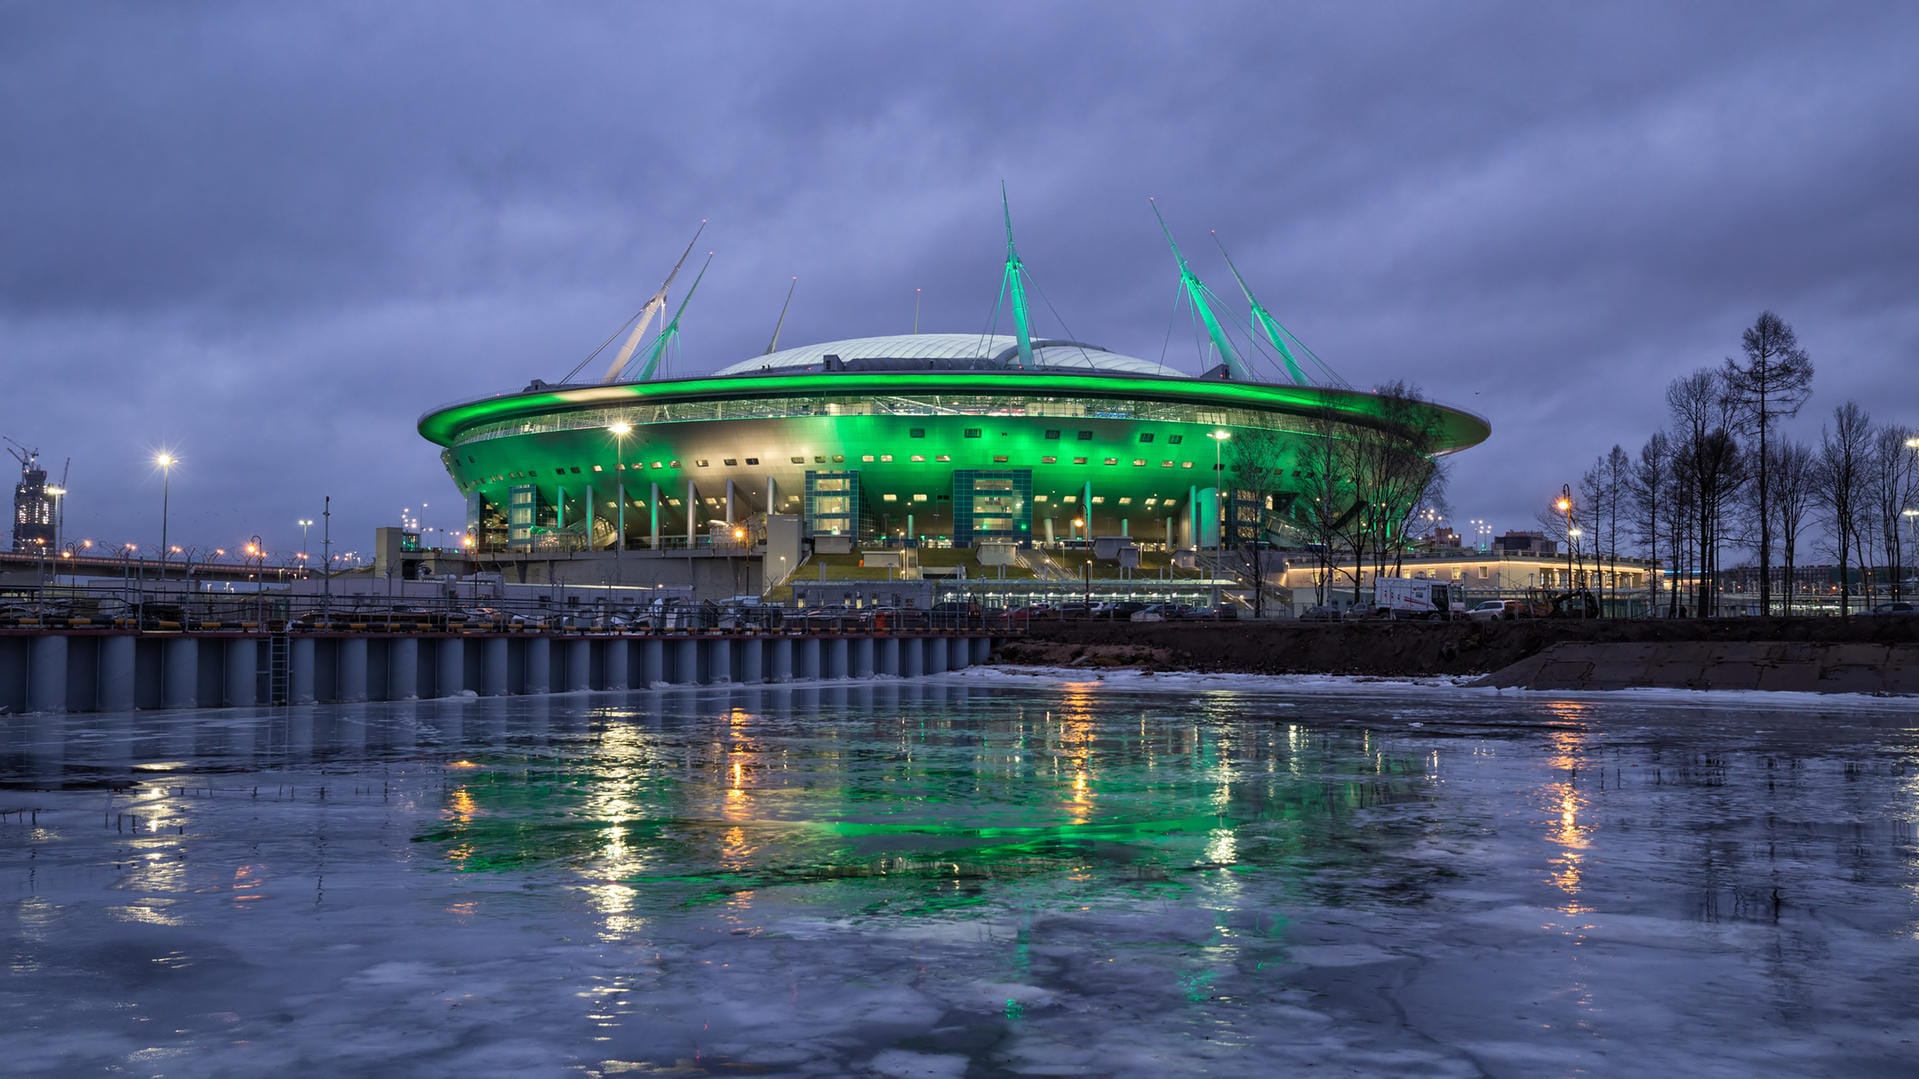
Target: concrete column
[(779, 659), (653, 505), (302, 670), (1123, 529), (1169, 533), (242, 667), (806, 659), (1086, 505), (619, 492), (559, 506), (1192, 516), (494, 662), (833, 659), (912, 537), (350, 684), (959, 653), (652, 663), (686, 662), (720, 659), (982, 650), (116, 673), (862, 663), (47, 674), (1049, 530), (449, 667), (752, 660), (772, 496), (579, 664), (403, 669), (539, 665), (618, 650), (729, 503), (692, 511), (180, 673), (912, 657), (935, 655)]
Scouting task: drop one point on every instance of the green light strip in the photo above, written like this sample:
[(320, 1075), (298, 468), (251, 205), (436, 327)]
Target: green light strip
[(1455, 429)]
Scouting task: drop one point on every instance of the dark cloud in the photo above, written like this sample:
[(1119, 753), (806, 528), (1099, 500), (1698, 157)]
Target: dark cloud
[(273, 237)]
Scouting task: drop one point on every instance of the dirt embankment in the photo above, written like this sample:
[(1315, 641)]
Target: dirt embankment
[(1401, 648)]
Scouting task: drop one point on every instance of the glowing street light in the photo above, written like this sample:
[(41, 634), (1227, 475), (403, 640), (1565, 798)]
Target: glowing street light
[(619, 429), (1219, 494), (166, 461), (305, 524)]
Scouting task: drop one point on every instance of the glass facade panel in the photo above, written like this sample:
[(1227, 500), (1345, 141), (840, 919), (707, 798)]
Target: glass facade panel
[(992, 506)]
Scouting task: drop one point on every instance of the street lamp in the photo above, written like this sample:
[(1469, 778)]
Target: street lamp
[(1565, 506), (56, 492), (1219, 493), (305, 524), (166, 462), (619, 429)]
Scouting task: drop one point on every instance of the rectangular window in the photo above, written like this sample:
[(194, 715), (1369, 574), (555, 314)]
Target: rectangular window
[(867, 458), (1166, 464), (1138, 462), (1086, 436), (889, 498), (886, 458), (1147, 437), (1112, 460), (752, 460), (1079, 460), (1186, 464), (1070, 499), (731, 461), (916, 432), (1052, 436), (1125, 501), (999, 459), (972, 432), (1099, 500), (1175, 440), (919, 457), (1049, 460), (1039, 498), (597, 468), (799, 460), (919, 498), (943, 457), (701, 464)]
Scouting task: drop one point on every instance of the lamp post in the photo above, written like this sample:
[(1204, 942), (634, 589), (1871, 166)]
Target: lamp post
[(1565, 506), (1219, 494), (619, 430), (58, 494), (166, 462), (306, 524)]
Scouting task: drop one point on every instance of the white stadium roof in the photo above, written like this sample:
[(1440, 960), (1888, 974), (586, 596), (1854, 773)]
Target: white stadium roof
[(989, 351)]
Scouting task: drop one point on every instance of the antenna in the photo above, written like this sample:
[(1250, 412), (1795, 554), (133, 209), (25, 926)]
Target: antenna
[(1196, 292), (654, 305), (916, 311), (1263, 319), (773, 345)]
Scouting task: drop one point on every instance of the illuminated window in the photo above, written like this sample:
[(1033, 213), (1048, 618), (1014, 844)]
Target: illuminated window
[(1186, 464), (1070, 498), (1039, 498), (1099, 500), (1079, 460), (1138, 461), (919, 498), (1125, 501), (1112, 460), (944, 457), (656, 464), (597, 468), (889, 498), (702, 464), (867, 458), (886, 458), (999, 459), (839, 458), (1049, 460), (672, 464), (1166, 464), (919, 457)]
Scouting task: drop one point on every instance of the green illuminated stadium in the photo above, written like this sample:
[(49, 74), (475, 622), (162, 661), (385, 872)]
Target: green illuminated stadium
[(929, 438)]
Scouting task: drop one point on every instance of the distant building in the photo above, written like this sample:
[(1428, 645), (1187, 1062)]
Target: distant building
[(1526, 543), (32, 508)]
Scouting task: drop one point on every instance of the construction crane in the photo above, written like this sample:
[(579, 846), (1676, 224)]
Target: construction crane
[(29, 459)]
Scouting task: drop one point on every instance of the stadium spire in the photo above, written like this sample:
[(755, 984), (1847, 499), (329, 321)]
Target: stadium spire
[(654, 305), (1012, 284), (1197, 293), (671, 329), (1264, 320), (774, 345)]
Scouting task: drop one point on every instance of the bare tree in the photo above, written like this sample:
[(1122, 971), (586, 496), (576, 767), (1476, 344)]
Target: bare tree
[(1647, 481), (1892, 490), (1770, 385), (1844, 449), (1790, 474), (1393, 472), (1326, 466), (1709, 462)]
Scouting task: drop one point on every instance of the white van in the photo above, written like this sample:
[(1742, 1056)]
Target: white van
[(1411, 597)]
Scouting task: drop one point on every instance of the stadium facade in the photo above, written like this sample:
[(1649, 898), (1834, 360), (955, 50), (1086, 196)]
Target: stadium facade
[(930, 439)]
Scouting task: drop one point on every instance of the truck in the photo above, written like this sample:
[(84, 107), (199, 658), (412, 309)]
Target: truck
[(1412, 597)]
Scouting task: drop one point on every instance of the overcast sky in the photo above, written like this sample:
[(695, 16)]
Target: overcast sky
[(269, 237)]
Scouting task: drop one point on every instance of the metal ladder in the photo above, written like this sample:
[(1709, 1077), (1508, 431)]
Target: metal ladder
[(279, 668)]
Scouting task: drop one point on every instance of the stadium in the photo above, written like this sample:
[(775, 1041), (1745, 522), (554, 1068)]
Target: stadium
[(926, 439)]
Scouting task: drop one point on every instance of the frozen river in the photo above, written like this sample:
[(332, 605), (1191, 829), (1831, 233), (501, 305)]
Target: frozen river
[(983, 874)]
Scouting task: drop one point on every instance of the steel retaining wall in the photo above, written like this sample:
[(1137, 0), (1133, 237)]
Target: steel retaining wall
[(93, 671)]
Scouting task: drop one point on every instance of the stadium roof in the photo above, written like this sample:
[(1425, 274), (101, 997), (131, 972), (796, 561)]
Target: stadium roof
[(946, 351)]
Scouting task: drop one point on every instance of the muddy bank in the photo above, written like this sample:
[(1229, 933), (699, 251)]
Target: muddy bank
[(1417, 648)]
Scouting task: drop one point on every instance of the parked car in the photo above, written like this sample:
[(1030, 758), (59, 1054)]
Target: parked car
[(955, 614), (1324, 612), (1896, 608), (1162, 612), (1502, 610)]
